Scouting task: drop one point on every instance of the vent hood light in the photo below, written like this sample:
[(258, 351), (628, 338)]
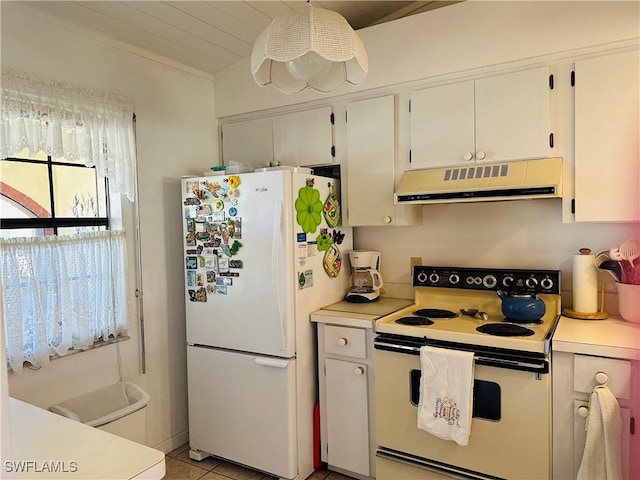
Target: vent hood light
[(540, 178)]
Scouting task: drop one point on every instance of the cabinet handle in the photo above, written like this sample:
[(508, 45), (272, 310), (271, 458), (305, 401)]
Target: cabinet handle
[(467, 156), (583, 412), (387, 219), (358, 371), (481, 155), (342, 341)]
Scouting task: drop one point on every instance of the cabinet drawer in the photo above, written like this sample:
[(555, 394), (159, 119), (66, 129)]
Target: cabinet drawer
[(585, 368), (349, 342)]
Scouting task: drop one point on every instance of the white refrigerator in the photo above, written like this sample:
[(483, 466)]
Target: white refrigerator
[(262, 251)]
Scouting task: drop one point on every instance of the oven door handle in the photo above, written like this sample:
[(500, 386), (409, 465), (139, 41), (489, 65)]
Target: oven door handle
[(541, 366)]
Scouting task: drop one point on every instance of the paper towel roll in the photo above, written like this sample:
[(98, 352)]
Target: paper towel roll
[(585, 282)]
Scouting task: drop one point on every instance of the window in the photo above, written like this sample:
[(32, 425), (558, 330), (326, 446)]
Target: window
[(62, 270), (41, 196)]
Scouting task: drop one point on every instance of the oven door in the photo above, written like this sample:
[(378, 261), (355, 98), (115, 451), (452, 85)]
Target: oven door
[(511, 426)]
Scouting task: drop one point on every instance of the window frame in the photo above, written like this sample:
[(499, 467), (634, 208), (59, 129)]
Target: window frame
[(54, 222)]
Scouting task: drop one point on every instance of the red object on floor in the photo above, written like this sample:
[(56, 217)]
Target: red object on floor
[(317, 462)]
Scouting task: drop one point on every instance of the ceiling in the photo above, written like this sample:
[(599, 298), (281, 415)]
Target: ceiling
[(210, 35)]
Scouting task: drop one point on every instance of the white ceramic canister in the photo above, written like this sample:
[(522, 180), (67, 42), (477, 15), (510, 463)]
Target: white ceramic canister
[(629, 302)]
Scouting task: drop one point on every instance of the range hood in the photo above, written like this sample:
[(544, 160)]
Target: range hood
[(539, 178)]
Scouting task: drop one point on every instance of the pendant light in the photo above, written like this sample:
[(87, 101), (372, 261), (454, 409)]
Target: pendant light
[(309, 48)]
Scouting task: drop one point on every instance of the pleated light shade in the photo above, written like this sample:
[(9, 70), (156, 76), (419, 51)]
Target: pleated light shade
[(309, 48)]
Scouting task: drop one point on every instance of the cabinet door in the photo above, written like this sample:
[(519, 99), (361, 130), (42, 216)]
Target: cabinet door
[(248, 143), (370, 161), (347, 416), (607, 153), (442, 124), (513, 113), (303, 138)]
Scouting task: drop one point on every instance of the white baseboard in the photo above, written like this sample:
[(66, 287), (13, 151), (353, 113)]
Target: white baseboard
[(174, 442)]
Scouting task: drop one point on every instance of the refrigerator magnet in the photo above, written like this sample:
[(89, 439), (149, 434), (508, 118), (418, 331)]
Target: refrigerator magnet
[(190, 212), (191, 278), (203, 236), (192, 263), (308, 209), (211, 262), (237, 228), (201, 295), (235, 264), (224, 281), (324, 240), (190, 239), (211, 289), (191, 225), (233, 211), (220, 290), (191, 201), (192, 295), (305, 279), (211, 276), (223, 264), (200, 280)]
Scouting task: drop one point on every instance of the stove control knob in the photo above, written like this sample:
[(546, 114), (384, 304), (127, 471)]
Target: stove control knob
[(507, 281), (454, 279), (489, 281), (531, 282), (434, 278), (422, 277), (546, 283)]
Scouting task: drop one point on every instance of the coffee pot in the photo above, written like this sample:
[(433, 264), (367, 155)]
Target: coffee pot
[(366, 280)]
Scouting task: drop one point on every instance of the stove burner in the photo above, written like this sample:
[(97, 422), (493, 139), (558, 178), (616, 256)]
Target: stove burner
[(523, 322), (414, 321), (505, 330), (435, 313)]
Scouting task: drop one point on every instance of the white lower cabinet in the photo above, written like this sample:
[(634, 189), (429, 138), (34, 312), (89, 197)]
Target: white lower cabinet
[(574, 378), (345, 364)]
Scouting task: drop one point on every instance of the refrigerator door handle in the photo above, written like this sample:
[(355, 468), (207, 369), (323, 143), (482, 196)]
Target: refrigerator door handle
[(276, 243), (272, 362)]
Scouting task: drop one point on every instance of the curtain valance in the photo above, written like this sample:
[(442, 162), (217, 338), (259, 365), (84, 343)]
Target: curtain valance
[(69, 121)]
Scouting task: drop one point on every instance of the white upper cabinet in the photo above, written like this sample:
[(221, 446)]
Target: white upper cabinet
[(370, 161), (249, 143), (607, 154), (494, 119), (303, 138)]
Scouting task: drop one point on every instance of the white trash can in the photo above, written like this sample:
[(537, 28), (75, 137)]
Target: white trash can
[(118, 409)]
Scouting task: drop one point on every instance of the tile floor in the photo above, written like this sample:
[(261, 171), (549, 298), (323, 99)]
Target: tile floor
[(180, 467)]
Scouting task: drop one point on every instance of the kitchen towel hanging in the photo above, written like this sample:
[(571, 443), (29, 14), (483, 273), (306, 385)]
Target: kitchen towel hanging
[(446, 393), (585, 282), (602, 456)]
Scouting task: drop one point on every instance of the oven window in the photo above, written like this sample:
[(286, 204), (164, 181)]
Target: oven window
[(486, 397)]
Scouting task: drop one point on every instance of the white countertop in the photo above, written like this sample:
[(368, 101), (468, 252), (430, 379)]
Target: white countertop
[(359, 315), (612, 337), (44, 442)]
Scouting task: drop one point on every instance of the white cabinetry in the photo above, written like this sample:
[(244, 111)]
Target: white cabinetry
[(582, 351), (499, 118), (346, 375), (303, 138), (248, 143), (607, 151), (371, 163)]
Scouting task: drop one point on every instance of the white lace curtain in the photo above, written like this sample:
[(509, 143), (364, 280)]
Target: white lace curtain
[(61, 293), (69, 121)]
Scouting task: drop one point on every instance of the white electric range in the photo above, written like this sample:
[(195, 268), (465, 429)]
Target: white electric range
[(511, 423)]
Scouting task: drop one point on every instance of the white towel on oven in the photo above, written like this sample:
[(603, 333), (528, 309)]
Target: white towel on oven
[(446, 393), (602, 456)]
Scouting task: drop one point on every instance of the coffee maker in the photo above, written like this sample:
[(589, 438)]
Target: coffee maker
[(366, 281)]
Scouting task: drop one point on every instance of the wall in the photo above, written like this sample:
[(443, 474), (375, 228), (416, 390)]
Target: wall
[(175, 136), (453, 40), (464, 39)]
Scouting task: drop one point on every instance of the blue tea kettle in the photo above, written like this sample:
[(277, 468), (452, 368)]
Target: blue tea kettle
[(522, 307)]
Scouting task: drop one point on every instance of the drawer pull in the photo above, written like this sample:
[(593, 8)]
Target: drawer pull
[(602, 378), (342, 341), (358, 370)]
